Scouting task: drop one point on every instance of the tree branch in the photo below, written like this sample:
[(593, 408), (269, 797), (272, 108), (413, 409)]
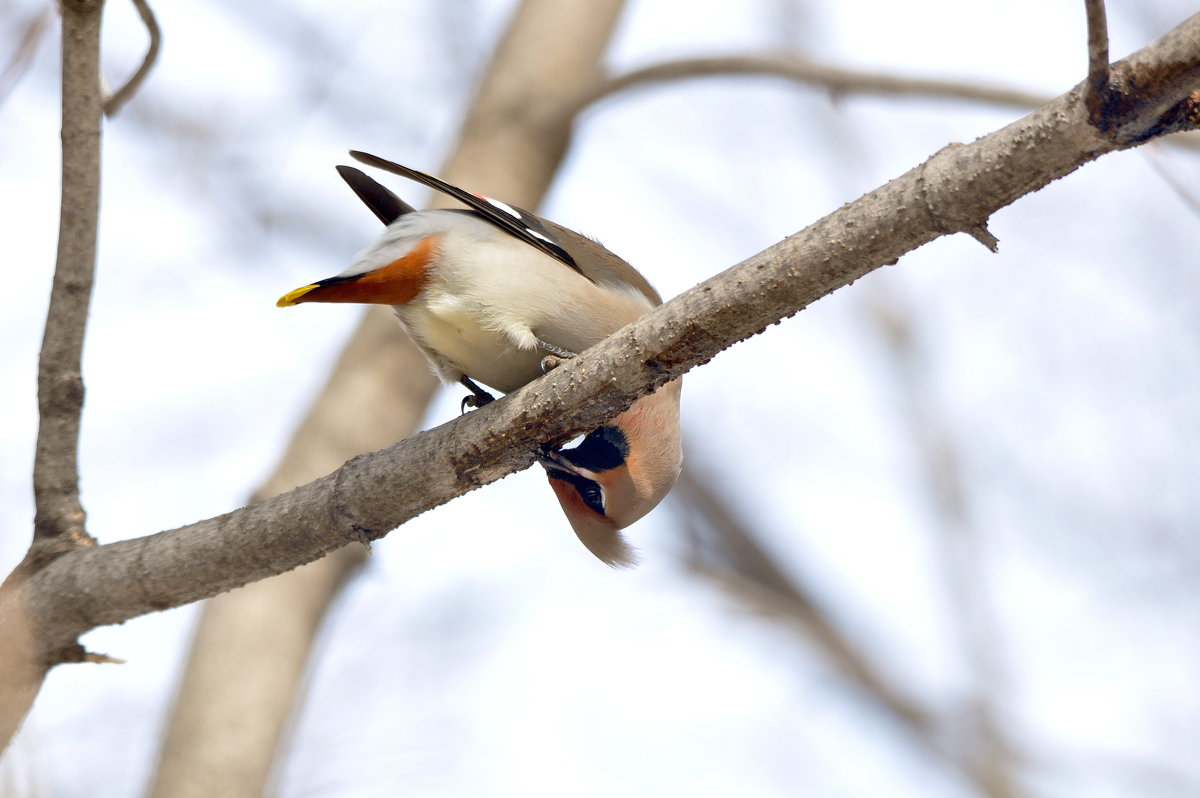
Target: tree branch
[(836, 79), (954, 191), (59, 523), (124, 94), (1097, 79), (795, 68), (25, 651)]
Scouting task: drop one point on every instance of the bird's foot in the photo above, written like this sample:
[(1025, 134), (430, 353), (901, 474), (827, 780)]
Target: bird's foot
[(478, 397)]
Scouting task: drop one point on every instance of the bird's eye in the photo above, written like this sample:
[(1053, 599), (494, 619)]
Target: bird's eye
[(588, 489), (592, 495)]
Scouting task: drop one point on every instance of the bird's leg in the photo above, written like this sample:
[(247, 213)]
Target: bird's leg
[(478, 397), (557, 355), (557, 351)]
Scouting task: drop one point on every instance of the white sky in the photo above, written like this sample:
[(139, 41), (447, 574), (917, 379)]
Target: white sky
[(498, 658)]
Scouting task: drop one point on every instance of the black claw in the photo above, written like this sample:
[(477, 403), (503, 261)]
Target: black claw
[(475, 401), (478, 397)]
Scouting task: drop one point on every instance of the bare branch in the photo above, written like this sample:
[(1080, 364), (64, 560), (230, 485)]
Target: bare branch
[(960, 187), (795, 68), (59, 523), (1098, 75), (836, 79), (25, 652), (122, 95)]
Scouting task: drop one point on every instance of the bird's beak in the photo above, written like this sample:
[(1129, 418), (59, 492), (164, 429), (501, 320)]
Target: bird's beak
[(293, 297), (552, 460)]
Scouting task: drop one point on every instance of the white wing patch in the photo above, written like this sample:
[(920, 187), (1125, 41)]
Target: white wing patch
[(505, 208), (510, 210)]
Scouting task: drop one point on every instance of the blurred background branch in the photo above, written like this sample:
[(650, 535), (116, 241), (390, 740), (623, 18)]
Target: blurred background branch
[(798, 69), (117, 100)]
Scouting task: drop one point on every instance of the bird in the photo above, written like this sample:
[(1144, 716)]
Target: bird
[(494, 294)]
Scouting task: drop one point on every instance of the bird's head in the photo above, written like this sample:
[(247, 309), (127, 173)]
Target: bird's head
[(618, 473)]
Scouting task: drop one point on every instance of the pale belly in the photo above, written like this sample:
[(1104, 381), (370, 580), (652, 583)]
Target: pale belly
[(485, 355)]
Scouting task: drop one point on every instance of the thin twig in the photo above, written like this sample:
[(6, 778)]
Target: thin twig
[(124, 94), (1098, 67), (59, 520), (836, 79), (791, 67)]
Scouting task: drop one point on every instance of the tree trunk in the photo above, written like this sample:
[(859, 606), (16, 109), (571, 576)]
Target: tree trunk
[(251, 649)]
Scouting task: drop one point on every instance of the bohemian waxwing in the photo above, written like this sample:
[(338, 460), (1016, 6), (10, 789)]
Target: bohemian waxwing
[(487, 294)]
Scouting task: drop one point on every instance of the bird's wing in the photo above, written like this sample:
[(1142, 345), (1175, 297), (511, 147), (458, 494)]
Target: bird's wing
[(382, 202), (517, 222), (600, 265)]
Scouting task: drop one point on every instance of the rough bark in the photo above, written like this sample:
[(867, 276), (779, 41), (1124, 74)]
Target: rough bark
[(250, 651), (954, 191)]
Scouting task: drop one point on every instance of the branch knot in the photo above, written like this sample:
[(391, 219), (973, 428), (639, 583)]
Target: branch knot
[(942, 221)]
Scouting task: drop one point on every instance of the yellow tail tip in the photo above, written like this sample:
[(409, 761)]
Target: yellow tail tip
[(292, 297)]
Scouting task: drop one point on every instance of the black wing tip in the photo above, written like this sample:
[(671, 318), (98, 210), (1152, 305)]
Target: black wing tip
[(519, 227), (400, 169), (379, 163), (382, 202)]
